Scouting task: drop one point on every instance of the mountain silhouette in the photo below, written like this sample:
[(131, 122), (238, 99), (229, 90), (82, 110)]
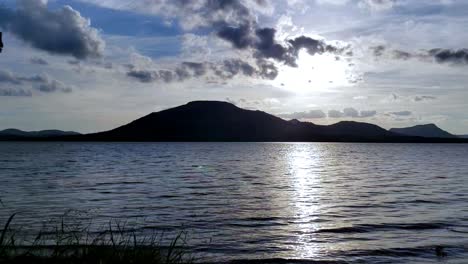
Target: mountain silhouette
[(202, 121), (222, 121), (428, 131), (12, 134)]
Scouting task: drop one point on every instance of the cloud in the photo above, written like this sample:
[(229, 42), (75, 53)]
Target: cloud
[(38, 61), (195, 13), (312, 114), (262, 42), (234, 21), (370, 113), (224, 70), (378, 50), (333, 2), (335, 114), (7, 91), (401, 113), (402, 55), (41, 82), (46, 84), (459, 57), (9, 77), (420, 98), (63, 31), (438, 55), (350, 112), (144, 76), (378, 5), (255, 104), (360, 97)]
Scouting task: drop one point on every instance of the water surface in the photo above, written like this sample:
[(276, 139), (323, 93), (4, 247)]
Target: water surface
[(362, 203)]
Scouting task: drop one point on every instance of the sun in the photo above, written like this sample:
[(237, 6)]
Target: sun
[(314, 73)]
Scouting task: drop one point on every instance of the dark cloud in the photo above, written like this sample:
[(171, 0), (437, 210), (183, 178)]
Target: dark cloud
[(240, 37), (218, 12), (312, 114), (224, 70), (378, 50), (267, 70), (38, 61), (144, 76), (381, 50), (262, 42), (14, 92), (42, 83), (450, 56), (235, 23), (63, 31), (230, 68), (198, 69)]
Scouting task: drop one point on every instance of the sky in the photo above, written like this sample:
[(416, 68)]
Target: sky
[(93, 65)]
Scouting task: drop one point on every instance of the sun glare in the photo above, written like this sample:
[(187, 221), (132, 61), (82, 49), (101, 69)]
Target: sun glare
[(314, 73)]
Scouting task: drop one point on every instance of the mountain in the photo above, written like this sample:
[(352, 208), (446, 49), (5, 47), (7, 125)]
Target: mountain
[(462, 136), (222, 121), (202, 121), (11, 133), (427, 131)]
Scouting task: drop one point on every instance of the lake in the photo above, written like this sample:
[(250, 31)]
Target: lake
[(361, 203)]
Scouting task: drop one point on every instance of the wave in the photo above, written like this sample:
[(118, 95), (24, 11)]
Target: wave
[(365, 228), (423, 254), (284, 261)]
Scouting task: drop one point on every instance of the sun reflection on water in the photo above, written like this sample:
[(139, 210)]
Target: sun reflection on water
[(304, 162)]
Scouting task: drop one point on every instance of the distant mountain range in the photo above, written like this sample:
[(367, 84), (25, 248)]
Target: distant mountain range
[(16, 134), (222, 121), (428, 131)]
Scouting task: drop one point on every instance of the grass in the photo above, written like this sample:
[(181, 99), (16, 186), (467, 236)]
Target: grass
[(72, 243)]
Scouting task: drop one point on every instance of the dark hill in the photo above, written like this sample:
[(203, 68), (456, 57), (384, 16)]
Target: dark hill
[(11, 133), (203, 121), (427, 131), (357, 129), (222, 121)]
